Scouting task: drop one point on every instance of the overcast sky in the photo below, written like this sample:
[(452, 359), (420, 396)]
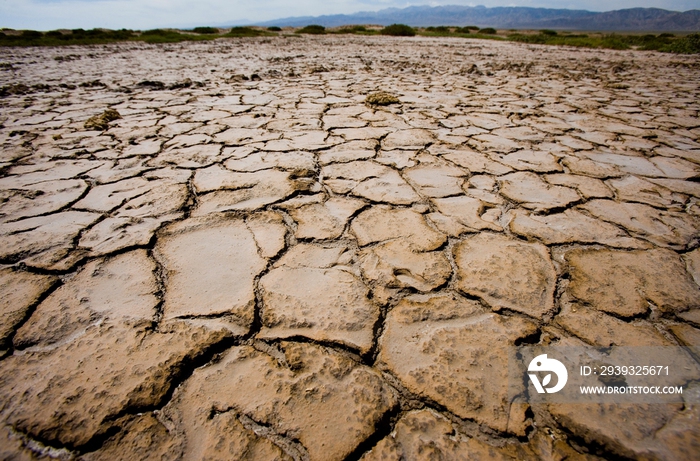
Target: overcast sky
[(146, 14)]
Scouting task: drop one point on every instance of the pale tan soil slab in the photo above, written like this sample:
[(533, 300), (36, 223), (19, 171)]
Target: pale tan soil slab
[(402, 256), (624, 283), (506, 273), (130, 368), (269, 232), (398, 264), (142, 437), (663, 228), (530, 191), (43, 241), (210, 266), (41, 198), (599, 329), (302, 392), (119, 288), (381, 224), (311, 296), (324, 220), (425, 434), (571, 226), (241, 191), (19, 291), (437, 345), (253, 263), (635, 430), (466, 211)]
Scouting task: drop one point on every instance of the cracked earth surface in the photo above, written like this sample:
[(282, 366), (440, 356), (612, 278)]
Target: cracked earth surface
[(252, 263)]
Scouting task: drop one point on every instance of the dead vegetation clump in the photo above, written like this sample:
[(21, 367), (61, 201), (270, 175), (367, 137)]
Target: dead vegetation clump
[(101, 122), (381, 98)]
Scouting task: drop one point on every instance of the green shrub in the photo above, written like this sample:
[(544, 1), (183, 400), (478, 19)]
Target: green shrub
[(165, 36), (157, 32), (31, 34), (398, 30), (470, 28), (463, 30), (245, 32), (613, 42), (488, 31), (351, 30), (312, 29), (205, 30), (439, 30), (690, 44), (648, 41), (122, 34), (274, 29), (551, 33)]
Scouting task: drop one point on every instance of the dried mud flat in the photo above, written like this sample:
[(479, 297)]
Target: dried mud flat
[(264, 267)]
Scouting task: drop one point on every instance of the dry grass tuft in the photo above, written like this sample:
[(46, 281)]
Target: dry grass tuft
[(101, 122), (381, 98)]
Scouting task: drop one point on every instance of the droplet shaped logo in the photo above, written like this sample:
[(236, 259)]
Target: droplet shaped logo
[(542, 363)]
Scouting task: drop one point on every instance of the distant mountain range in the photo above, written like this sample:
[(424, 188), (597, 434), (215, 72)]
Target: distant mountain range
[(633, 19)]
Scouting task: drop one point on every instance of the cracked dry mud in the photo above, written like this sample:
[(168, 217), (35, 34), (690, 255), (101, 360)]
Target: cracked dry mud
[(270, 268)]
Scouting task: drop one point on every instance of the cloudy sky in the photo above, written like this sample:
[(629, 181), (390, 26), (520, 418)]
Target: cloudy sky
[(146, 14)]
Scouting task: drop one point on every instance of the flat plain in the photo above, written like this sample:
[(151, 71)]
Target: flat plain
[(250, 261)]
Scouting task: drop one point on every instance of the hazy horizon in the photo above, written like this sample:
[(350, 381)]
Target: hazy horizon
[(147, 14)]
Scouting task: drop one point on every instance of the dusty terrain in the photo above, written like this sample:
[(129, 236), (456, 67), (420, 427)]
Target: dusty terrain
[(252, 263)]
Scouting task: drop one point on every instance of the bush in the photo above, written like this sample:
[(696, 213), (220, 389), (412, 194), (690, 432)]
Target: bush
[(245, 32), (31, 34), (439, 29), (164, 36), (690, 44), (398, 30), (122, 34), (351, 30), (648, 41), (153, 32), (488, 31), (463, 30), (551, 33), (613, 42), (205, 30), (470, 28), (312, 29), (274, 29)]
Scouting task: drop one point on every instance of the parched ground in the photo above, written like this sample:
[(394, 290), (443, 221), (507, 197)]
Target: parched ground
[(252, 263)]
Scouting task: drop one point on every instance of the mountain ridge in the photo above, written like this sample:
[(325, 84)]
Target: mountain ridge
[(630, 19)]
